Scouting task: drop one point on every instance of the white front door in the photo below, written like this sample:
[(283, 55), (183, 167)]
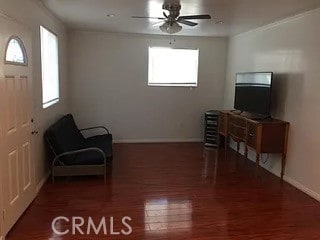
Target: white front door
[(16, 146)]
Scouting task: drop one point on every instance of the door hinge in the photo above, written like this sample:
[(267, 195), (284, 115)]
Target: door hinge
[(3, 215)]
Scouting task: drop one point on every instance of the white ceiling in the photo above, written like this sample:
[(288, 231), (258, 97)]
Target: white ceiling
[(238, 15)]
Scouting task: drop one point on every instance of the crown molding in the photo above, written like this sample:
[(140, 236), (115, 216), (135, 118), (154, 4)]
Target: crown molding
[(279, 22)]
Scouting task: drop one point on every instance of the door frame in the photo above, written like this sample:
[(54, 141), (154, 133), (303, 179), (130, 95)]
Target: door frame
[(1, 211), (1, 191), (2, 52)]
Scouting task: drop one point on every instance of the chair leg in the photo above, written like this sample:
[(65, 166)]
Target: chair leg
[(52, 174), (105, 174)]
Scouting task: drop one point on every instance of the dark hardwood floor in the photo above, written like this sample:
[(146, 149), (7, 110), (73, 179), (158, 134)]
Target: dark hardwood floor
[(175, 191)]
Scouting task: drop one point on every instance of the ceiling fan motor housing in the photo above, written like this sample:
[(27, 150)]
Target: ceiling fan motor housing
[(174, 9)]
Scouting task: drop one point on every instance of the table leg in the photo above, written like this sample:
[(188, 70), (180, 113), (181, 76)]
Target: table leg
[(257, 163), (226, 143), (238, 147), (246, 152), (283, 164)]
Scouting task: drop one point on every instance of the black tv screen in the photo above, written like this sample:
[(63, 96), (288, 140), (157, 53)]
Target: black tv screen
[(253, 92)]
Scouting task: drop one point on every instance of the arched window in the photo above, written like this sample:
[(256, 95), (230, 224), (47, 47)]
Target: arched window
[(15, 52)]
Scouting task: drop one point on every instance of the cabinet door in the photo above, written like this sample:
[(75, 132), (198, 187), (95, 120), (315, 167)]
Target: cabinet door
[(273, 138)]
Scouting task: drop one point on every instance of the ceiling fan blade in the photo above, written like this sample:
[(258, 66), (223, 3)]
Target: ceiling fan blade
[(157, 23), (140, 17), (165, 15), (189, 23), (190, 17)]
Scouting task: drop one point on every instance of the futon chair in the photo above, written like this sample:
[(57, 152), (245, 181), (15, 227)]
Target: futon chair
[(74, 155)]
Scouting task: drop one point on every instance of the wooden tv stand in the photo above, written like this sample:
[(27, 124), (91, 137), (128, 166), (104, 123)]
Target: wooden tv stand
[(263, 136)]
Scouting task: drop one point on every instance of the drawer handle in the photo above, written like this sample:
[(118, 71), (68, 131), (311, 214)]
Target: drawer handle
[(251, 134)]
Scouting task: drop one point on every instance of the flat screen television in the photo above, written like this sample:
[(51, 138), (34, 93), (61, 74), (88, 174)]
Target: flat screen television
[(253, 92)]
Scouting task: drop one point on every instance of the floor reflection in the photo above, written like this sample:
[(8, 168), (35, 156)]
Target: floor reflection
[(59, 227), (210, 164), (163, 215)]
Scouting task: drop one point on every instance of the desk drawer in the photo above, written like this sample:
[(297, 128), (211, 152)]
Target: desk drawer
[(239, 121), (252, 130), (237, 132), (241, 133)]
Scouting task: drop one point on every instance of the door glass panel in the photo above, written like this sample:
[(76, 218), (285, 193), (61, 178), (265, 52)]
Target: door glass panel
[(16, 53)]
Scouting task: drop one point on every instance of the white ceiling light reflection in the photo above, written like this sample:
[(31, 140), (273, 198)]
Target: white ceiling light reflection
[(162, 216)]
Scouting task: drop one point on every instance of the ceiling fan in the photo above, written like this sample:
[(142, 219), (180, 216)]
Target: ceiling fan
[(171, 21)]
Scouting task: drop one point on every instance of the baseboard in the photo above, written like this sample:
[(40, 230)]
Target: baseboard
[(159, 140), (289, 180), (302, 188), (42, 182)]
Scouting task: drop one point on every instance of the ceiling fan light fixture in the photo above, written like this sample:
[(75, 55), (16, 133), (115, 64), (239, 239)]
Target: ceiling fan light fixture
[(164, 27), (170, 28), (174, 28)]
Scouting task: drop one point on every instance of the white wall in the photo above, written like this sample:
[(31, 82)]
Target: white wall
[(291, 49), (32, 14), (108, 74)]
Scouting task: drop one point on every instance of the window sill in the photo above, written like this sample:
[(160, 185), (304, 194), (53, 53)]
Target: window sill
[(172, 85), (49, 104)]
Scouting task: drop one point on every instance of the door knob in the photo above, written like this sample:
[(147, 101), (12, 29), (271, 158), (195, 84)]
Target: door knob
[(34, 132)]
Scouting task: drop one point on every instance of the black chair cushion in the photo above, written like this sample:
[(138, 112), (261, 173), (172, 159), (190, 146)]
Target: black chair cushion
[(64, 136), (85, 158), (104, 142)]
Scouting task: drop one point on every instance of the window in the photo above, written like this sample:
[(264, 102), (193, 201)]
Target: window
[(16, 53), (50, 67), (173, 67)]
